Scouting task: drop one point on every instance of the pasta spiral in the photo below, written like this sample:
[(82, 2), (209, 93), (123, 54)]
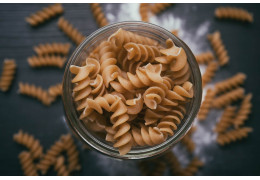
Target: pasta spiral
[(230, 83), (234, 13), (206, 104), (219, 48), (192, 167), (159, 7), (42, 61), (8, 73), (98, 14), (226, 119), (30, 142), (187, 141), (55, 90), (204, 58), (233, 135), (243, 111), (27, 164), (52, 48), (36, 92), (72, 153), (228, 98), (139, 52), (70, 31), (143, 10), (44, 14), (60, 167), (209, 73), (50, 157)]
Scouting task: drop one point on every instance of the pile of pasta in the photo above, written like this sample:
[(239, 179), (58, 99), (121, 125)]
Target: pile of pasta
[(33, 160), (133, 90)]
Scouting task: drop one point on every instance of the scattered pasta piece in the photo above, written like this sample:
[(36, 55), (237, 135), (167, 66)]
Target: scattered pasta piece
[(209, 73), (243, 111), (35, 92), (70, 31), (228, 98), (98, 14), (234, 13), (187, 141), (219, 48), (143, 10), (30, 142), (175, 32), (206, 104), (204, 58), (43, 61), (45, 14), (157, 8), (8, 73), (192, 167), (28, 166), (52, 48), (233, 135), (60, 167), (230, 83), (226, 119), (55, 90)]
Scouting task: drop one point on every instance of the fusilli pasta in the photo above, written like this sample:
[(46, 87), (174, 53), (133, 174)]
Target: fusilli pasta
[(226, 119), (28, 166), (44, 14), (52, 48), (42, 61), (234, 13), (209, 73), (159, 7), (98, 14), (206, 104), (144, 10), (204, 58), (60, 167), (174, 163), (55, 90), (8, 73), (187, 140), (175, 32), (192, 167)]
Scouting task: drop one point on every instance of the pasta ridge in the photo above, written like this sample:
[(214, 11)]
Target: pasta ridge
[(143, 10), (206, 104), (192, 167), (8, 73), (28, 166), (159, 7), (226, 119), (234, 13), (60, 167), (209, 73), (43, 61), (204, 58), (98, 14), (52, 48), (55, 90)]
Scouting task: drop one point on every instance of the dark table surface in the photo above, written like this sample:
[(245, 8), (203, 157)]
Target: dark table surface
[(47, 123)]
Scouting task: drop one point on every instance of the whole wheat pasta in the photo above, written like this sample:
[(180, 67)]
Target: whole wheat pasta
[(60, 166), (52, 48), (243, 111), (55, 90), (44, 14), (187, 140), (42, 61), (234, 13), (219, 48), (50, 157), (233, 135), (157, 8), (72, 153), (144, 10), (209, 73), (28, 166), (192, 167), (30, 142), (35, 92), (98, 14), (206, 104), (204, 58), (226, 119), (8, 73), (228, 98), (175, 32), (230, 83), (70, 31)]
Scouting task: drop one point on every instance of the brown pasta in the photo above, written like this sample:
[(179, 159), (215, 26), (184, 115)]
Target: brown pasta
[(50, 157), (205, 58), (60, 167), (8, 73), (228, 98), (72, 153), (30, 142), (98, 14), (159, 7), (28, 166), (35, 92), (192, 167), (206, 104), (70, 31), (230, 83), (226, 119), (219, 48), (52, 48), (234, 13), (144, 10), (45, 14), (187, 141), (233, 135), (175, 32), (174, 164), (42, 61), (55, 90), (243, 111), (209, 73)]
